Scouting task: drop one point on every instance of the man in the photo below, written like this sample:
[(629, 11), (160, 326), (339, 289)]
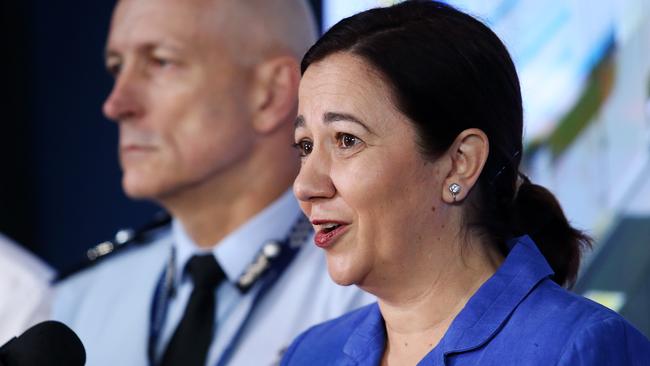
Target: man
[(205, 98)]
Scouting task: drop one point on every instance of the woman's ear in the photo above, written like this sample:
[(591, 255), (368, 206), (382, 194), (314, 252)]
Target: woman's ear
[(275, 93), (468, 154)]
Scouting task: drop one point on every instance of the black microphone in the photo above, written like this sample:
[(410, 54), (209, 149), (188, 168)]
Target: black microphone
[(45, 344)]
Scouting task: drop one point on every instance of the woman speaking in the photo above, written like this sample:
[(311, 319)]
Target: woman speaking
[(410, 132)]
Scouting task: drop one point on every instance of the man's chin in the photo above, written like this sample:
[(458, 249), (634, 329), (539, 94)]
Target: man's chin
[(139, 190)]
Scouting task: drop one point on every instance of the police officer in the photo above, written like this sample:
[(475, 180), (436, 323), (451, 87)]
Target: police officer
[(204, 99)]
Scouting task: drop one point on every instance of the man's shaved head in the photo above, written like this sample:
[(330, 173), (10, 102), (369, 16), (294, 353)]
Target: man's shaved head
[(257, 29), (253, 29), (273, 26)]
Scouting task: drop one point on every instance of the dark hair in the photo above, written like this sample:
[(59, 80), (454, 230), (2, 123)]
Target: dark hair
[(449, 72)]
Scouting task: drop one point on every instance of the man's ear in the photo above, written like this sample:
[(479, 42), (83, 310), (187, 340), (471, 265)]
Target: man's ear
[(468, 154), (275, 93)]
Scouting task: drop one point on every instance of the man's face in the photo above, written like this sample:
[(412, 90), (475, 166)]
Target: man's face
[(180, 100)]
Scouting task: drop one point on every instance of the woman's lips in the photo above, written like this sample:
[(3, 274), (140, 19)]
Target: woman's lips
[(326, 238)]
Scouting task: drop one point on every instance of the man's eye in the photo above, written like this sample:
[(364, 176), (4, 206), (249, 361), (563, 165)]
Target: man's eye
[(161, 61), (346, 141), (114, 69), (304, 147)]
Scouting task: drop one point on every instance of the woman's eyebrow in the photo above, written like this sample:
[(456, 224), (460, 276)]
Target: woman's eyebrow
[(299, 122), (330, 117)]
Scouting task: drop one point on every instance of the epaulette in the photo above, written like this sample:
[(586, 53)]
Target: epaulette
[(123, 239)]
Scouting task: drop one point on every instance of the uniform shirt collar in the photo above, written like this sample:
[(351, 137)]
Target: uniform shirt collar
[(482, 316), (239, 248)]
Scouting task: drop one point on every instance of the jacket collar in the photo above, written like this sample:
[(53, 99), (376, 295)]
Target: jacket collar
[(481, 318), (365, 346), (494, 302)]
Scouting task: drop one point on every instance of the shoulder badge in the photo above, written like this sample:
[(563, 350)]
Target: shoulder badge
[(123, 239)]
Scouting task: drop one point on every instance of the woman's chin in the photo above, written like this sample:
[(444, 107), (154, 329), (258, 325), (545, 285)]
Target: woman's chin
[(344, 273)]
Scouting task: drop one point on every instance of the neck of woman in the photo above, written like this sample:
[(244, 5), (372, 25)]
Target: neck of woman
[(418, 314)]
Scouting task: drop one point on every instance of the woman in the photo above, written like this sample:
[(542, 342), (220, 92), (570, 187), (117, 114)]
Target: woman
[(410, 132)]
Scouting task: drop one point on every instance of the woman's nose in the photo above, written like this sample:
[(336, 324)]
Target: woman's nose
[(313, 181)]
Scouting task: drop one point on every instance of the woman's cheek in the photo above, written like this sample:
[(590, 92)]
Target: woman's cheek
[(358, 183)]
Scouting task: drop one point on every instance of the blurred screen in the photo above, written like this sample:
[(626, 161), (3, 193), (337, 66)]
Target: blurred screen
[(585, 88)]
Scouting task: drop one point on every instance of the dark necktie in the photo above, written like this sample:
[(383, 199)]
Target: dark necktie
[(191, 340)]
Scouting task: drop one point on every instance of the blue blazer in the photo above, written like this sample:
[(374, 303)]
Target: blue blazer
[(518, 317)]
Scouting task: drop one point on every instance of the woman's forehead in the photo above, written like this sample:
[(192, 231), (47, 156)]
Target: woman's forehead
[(345, 82)]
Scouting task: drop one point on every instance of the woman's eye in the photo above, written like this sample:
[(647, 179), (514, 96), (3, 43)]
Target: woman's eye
[(304, 147), (346, 141)]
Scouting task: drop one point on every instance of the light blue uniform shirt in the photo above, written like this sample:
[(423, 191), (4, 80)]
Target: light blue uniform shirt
[(274, 223), (109, 305), (517, 317)]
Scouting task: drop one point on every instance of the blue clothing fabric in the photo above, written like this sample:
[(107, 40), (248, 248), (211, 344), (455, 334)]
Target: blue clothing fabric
[(517, 317)]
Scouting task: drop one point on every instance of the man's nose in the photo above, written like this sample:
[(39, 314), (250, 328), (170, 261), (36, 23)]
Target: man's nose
[(124, 101)]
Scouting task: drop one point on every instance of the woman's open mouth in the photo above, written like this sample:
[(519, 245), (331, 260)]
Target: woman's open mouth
[(327, 232)]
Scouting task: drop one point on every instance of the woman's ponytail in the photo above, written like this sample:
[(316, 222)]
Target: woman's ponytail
[(536, 212)]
